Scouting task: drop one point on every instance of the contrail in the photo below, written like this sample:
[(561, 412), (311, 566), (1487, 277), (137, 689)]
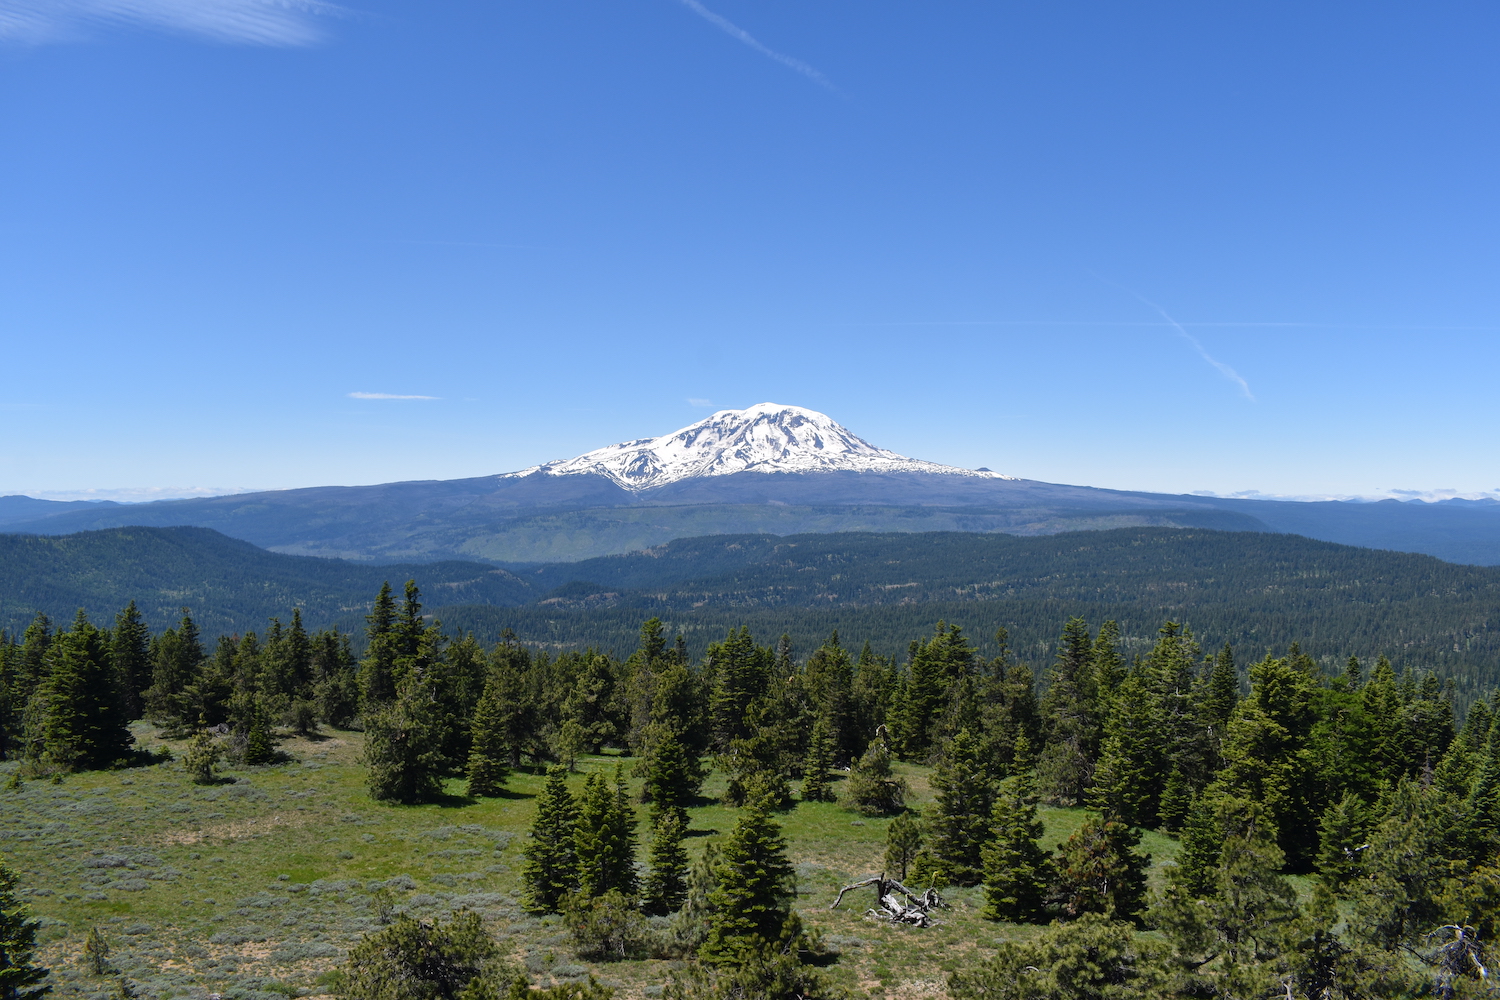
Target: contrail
[(1224, 369), (735, 31)]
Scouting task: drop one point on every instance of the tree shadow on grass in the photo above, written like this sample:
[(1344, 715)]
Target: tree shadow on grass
[(701, 833)]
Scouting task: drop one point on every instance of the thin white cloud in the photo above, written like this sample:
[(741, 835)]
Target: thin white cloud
[(251, 22), (387, 395), (1224, 369), (142, 494), (736, 32), (701, 403)]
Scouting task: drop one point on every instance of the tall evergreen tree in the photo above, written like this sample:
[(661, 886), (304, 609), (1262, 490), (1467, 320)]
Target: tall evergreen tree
[(815, 787), (75, 719), (751, 909), (403, 751), (937, 665), (958, 823), (551, 869), (1017, 872), (130, 653), (665, 888), (489, 757), (830, 689), (1099, 871), (31, 665), (377, 671), (1071, 719), (20, 977), (604, 838)]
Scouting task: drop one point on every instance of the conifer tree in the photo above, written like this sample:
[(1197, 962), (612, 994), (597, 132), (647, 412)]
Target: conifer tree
[(31, 664), (489, 757), (403, 749), (1099, 871), (673, 775), (752, 905), (130, 653), (202, 756), (177, 657), (815, 786), (260, 748), (551, 869), (903, 839), (1017, 872), (830, 689), (937, 663), (959, 822), (665, 888), (20, 977), (604, 838), (1071, 720), (1231, 934), (1343, 836), (75, 719), (377, 671), (873, 788)]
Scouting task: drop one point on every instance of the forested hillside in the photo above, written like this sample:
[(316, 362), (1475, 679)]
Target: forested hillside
[(1362, 780), (1257, 591), (230, 585)]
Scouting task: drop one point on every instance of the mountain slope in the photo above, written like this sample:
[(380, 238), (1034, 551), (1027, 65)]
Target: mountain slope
[(770, 468), (229, 585)]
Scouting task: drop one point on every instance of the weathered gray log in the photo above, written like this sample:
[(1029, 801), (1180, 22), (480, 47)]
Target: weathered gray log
[(917, 908)]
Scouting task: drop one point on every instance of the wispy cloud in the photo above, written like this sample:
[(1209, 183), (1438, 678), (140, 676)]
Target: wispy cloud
[(700, 403), (141, 494), (1224, 369), (736, 32), (387, 395), (250, 22)]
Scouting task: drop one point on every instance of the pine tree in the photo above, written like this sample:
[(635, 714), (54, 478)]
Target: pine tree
[(403, 749), (665, 888), (830, 689), (1099, 871), (752, 905), (20, 978), (551, 869), (903, 839), (604, 839), (673, 775), (1017, 872), (75, 719), (260, 747), (31, 666), (413, 960), (130, 653), (1343, 836), (815, 786), (1244, 923), (489, 757), (1070, 716), (959, 822), (377, 671), (202, 756), (872, 787)]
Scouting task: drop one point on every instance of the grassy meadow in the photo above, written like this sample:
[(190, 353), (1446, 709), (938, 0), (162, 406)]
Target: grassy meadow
[(255, 888)]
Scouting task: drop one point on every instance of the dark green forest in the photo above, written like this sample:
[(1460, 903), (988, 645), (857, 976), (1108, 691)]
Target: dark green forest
[(1258, 592), (230, 585), (1359, 780)]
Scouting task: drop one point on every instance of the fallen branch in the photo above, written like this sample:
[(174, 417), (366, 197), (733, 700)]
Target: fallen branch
[(916, 910)]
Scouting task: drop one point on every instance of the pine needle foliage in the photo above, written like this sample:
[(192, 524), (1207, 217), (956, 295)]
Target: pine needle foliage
[(551, 869)]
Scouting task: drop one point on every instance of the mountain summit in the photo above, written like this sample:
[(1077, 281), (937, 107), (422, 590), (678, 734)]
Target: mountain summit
[(767, 437)]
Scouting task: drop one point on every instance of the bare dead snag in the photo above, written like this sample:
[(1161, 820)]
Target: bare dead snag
[(916, 909)]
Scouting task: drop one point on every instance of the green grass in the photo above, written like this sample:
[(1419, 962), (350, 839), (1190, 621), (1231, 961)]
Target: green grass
[(257, 888)]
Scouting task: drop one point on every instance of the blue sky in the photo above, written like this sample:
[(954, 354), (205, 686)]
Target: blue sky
[(1168, 246)]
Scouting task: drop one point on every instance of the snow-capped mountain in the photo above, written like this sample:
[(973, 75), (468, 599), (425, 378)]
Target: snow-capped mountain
[(767, 437)]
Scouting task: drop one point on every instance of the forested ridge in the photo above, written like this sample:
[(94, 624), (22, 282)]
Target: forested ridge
[(1361, 779), (1258, 592)]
